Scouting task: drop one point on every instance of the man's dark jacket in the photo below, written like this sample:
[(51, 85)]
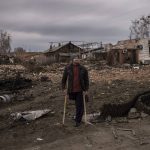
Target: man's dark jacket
[(83, 77)]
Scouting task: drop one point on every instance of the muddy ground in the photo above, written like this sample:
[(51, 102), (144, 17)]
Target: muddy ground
[(106, 86)]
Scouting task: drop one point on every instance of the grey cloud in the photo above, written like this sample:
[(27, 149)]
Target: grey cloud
[(69, 19), (73, 30)]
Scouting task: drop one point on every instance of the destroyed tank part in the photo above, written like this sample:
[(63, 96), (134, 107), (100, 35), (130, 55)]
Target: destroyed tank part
[(122, 109), (15, 84), (143, 103), (3, 99), (6, 98), (142, 107), (145, 99), (116, 110)]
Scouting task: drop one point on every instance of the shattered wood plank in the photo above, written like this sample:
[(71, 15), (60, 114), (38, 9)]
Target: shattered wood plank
[(124, 129)]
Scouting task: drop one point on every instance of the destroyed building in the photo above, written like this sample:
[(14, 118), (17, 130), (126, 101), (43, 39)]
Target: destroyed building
[(63, 53), (130, 51), (144, 53), (95, 54), (95, 51)]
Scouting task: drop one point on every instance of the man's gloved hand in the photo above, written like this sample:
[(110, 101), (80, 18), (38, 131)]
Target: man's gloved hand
[(85, 92)]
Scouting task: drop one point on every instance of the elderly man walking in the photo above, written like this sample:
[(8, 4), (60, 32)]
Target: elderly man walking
[(76, 77)]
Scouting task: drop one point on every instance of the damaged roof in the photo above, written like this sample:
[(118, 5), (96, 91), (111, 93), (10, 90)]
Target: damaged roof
[(54, 49), (127, 44)]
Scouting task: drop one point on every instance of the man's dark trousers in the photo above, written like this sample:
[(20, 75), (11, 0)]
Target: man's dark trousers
[(78, 97)]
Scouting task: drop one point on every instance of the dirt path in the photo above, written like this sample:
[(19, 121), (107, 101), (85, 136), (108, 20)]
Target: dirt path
[(101, 137)]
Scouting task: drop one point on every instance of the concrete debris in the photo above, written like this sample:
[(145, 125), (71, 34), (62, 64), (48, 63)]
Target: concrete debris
[(39, 139), (144, 115), (136, 66), (91, 117), (133, 110), (30, 115), (9, 71), (133, 114)]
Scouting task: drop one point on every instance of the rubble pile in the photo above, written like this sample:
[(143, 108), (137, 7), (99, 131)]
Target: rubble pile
[(108, 75), (7, 71), (37, 68), (57, 67), (51, 73), (114, 90), (97, 65), (47, 76), (54, 77), (11, 78), (14, 77)]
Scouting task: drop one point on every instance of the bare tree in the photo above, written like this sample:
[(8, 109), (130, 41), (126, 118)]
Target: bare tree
[(5, 40), (140, 28)]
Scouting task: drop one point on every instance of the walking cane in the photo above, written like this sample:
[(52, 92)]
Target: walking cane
[(85, 113), (65, 103), (85, 118)]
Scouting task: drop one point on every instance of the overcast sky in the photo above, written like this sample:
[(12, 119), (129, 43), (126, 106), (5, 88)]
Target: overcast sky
[(34, 23)]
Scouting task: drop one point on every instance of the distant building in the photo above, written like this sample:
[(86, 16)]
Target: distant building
[(95, 54), (63, 53), (130, 51)]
